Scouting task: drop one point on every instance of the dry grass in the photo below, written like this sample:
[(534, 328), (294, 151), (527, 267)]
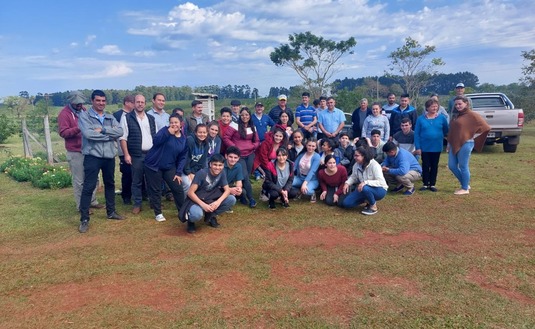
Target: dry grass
[(430, 260)]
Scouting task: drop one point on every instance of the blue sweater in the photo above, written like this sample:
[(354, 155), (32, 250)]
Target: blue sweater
[(167, 152), (396, 116), (401, 163), (262, 125), (429, 133)]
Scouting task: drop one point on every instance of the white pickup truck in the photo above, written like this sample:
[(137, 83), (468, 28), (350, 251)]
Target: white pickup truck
[(505, 121)]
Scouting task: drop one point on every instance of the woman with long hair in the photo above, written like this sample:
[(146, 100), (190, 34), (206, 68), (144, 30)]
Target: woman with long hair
[(468, 131), (197, 154), (243, 135), (213, 140), (371, 184), (267, 151), (429, 133), (376, 121), (279, 178), (332, 180), (296, 147), (306, 170), (165, 161)]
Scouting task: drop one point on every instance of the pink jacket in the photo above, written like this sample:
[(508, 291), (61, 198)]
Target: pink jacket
[(246, 145)]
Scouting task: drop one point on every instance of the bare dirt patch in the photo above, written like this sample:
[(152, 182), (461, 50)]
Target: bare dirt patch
[(504, 286)]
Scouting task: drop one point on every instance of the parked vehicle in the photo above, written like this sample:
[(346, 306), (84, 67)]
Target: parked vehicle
[(505, 121)]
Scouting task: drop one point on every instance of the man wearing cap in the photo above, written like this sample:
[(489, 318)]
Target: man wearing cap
[(100, 132), (125, 168), (261, 121), (235, 107), (305, 116), (69, 130), (459, 91), (276, 111), (138, 130)]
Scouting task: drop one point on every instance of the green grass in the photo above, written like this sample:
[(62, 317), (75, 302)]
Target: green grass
[(425, 261)]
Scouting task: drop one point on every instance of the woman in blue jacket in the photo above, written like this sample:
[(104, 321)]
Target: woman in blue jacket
[(165, 161), (306, 171)]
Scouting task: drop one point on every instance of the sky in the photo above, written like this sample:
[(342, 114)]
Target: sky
[(49, 46)]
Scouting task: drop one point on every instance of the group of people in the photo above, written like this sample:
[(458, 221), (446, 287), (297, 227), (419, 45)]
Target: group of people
[(206, 166)]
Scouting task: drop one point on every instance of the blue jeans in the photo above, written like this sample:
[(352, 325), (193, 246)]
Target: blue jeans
[(195, 213), (371, 194), (312, 185), (458, 163), (247, 167)]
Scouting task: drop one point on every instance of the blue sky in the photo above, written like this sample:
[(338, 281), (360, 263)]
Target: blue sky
[(48, 46)]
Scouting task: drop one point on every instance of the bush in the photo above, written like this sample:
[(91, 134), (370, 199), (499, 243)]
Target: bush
[(38, 172), (7, 128)]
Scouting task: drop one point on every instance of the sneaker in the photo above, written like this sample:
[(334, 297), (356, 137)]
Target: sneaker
[(84, 226), (409, 191), (213, 222), (313, 198), (433, 189), (286, 205), (369, 211), (115, 216), (367, 206), (190, 228), (257, 177), (160, 218), (252, 203), (461, 192), (423, 188), (397, 188), (298, 196), (272, 205), (263, 197), (243, 200), (229, 211)]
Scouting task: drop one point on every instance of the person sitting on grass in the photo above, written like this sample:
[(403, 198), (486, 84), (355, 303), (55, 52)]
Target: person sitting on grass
[(329, 146), (233, 171), (279, 179), (296, 147), (306, 170), (208, 196), (371, 184), (332, 180), (346, 150), (401, 168)]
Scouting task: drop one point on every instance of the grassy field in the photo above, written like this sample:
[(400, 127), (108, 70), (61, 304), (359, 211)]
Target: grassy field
[(431, 260)]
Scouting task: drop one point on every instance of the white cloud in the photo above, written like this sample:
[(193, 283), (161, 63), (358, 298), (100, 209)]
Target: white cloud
[(110, 50), (145, 53), (74, 44), (90, 39)]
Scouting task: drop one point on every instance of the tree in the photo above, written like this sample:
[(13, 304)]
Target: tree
[(411, 62), (313, 58), (529, 69)]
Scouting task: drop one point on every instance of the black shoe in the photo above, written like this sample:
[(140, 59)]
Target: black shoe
[(424, 188), (433, 189), (213, 222), (272, 204), (127, 201), (243, 200), (191, 227), (84, 226), (285, 204), (115, 216)]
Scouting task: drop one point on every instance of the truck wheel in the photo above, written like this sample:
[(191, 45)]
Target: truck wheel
[(509, 148)]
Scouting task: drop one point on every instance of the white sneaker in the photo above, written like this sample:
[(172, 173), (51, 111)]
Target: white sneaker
[(160, 218)]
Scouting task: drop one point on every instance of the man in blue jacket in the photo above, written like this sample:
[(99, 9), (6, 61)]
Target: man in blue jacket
[(404, 110), (100, 132), (401, 168)]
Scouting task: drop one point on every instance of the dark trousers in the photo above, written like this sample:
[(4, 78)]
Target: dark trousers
[(274, 194), (430, 162), (247, 168), (138, 176), (92, 166), (126, 179), (329, 198), (154, 184)]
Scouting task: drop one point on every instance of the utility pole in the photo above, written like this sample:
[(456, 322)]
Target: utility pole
[(48, 139)]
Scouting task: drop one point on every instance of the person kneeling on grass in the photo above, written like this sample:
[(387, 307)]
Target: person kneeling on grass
[(279, 179), (371, 184), (208, 196), (401, 167)]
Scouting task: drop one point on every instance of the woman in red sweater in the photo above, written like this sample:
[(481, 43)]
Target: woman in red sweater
[(332, 180), (268, 148), (244, 137)]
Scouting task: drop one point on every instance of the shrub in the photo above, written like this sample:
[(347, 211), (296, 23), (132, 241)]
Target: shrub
[(38, 172), (7, 128)]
